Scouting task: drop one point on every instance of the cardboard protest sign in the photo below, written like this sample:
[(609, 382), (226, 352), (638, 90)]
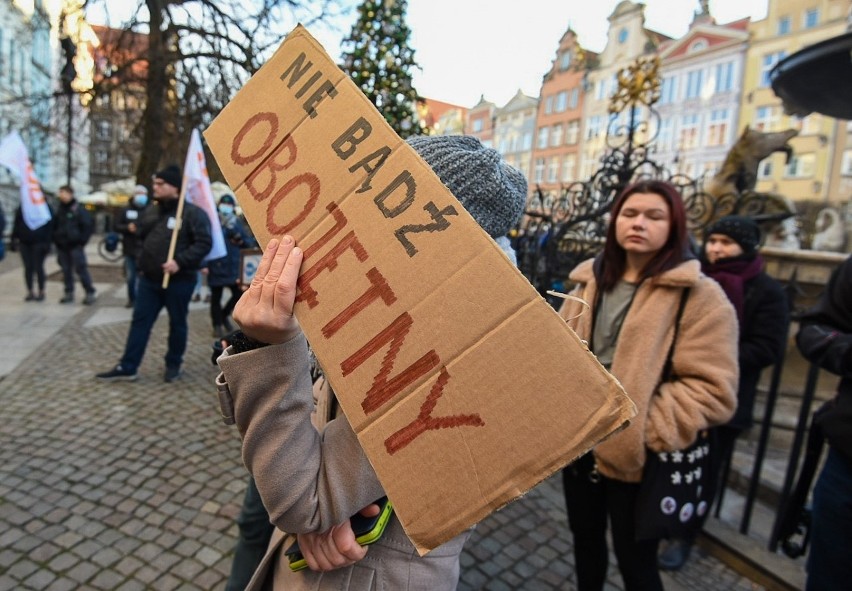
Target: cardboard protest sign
[(464, 386)]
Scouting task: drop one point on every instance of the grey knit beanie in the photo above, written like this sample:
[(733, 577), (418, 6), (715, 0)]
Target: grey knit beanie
[(493, 192)]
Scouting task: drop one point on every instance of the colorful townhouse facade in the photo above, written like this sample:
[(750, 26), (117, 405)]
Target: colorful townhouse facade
[(789, 26)]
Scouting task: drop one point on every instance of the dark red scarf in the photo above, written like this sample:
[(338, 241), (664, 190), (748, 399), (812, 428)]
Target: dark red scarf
[(732, 274)]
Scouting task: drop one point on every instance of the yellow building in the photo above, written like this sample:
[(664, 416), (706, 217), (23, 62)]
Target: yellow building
[(789, 26)]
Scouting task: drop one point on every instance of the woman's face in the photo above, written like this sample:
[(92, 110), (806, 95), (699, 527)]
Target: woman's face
[(643, 224), (721, 246)]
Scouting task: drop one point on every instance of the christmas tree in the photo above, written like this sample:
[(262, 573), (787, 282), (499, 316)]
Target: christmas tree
[(377, 57)]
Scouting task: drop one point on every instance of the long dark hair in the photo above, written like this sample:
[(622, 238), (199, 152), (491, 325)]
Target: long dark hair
[(611, 263)]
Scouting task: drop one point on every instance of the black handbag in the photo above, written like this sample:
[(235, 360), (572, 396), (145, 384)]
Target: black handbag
[(677, 487)]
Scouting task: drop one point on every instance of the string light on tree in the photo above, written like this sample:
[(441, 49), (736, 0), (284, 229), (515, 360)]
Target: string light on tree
[(378, 58)]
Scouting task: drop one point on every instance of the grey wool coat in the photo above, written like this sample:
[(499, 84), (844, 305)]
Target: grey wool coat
[(702, 391), (310, 481)]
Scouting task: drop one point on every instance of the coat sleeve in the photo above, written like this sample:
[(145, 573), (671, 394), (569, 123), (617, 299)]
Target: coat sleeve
[(200, 242), (308, 481), (702, 390), (825, 333), (86, 223), (762, 341)]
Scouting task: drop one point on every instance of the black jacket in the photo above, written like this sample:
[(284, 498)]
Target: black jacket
[(21, 231), (72, 225), (763, 337), (825, 338), (155, 232)]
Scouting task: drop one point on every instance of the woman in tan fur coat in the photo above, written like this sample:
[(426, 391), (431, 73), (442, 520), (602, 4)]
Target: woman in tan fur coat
[(634, 288)]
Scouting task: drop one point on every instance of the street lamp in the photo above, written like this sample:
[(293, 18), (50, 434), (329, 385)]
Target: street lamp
[(66, 76)]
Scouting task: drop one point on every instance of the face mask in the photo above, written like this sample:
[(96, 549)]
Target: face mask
[(226, 209), (140, 200)]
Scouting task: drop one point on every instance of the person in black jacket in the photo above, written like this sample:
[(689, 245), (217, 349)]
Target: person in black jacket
[(225, 271), (72, 228), (128, 226), (730, 257), (825, 338), (34, 246), (193, 243)]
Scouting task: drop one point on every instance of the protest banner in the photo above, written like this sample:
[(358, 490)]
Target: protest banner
[(464, 386), (14, 156)]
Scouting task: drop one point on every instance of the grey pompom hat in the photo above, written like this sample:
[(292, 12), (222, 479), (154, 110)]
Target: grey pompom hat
[(493, 192)]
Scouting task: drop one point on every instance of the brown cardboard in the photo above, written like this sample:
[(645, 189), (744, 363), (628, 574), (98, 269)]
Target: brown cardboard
[(464, 386)]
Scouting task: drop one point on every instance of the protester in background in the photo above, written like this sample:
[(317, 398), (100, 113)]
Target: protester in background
[(72, 228), (730, 257), (225, 271), (34, 246), (193, 244), (825, 338), (128, 226), (634, 288), (311, 482)]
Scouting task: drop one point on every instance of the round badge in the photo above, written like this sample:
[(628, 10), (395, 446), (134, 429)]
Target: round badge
[(702, 508), (668, 505), (686, 512)]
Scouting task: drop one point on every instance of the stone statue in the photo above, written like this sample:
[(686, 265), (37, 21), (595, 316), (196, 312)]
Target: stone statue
[(830, 234)]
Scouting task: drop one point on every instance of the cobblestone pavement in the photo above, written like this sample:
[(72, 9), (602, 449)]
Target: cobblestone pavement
[(136, 485)]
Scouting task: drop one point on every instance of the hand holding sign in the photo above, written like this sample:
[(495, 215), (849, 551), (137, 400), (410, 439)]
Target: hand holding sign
[(265, 311)]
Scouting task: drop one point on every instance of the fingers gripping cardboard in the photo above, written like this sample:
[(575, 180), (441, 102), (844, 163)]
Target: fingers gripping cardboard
[(465, 388)]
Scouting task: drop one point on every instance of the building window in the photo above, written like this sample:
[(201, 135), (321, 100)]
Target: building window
[(769, 61), (693, 84), (101, 160), (724, 77), (717, 128), (552, 170), (542, 137), (593, 126), (527, 143), (783, 25), (103, 130), (477, 125), (570, 163), (562, 101), (572, 132), (565, 60), (538, 174), (668, 90), (556, 135), (102, 100), (846, 164), (766, 118), (689, 132), (124, 164), (664, 135), (548, 105), (811, 18), (801, 166), (697, 45), (575, 97), (622, 36)]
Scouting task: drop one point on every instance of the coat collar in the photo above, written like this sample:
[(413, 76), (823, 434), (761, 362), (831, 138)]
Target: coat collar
[(684, 275)]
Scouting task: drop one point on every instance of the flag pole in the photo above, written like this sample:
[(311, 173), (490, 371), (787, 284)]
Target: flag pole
[(178, 223)]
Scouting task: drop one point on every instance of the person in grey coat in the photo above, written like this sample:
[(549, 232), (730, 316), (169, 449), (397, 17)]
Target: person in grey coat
[(311, 482)]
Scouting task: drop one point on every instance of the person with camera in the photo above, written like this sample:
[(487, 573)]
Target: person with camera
[(128, 226)]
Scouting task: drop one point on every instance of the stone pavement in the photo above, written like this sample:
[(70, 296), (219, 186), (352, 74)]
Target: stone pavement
[(136, 485)]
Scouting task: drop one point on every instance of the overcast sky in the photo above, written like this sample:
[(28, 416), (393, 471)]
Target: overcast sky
[(467, 48)]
